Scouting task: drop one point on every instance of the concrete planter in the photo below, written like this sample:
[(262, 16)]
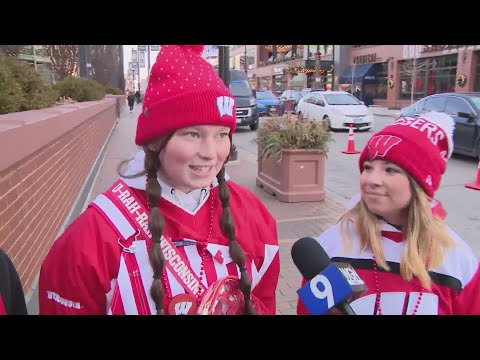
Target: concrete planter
[(298, 177)]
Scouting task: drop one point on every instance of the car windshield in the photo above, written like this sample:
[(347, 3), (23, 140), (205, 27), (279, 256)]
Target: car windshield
[(476, 101), (341, 99), (240, 88), (266, 95)]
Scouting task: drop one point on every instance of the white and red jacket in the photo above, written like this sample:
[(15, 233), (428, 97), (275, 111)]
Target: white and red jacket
[(455, 284), (87, 272)]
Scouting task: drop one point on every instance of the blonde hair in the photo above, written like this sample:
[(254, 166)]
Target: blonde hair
[(426, 236)]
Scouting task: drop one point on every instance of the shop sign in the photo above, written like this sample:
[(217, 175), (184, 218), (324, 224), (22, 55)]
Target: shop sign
[(365, 59), (432, 48), (278, 71)]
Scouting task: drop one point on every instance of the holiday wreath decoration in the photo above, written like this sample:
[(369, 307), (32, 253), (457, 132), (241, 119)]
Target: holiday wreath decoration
[(462, 80)]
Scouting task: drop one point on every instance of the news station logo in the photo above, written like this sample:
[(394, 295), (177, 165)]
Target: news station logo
[(318, 295)]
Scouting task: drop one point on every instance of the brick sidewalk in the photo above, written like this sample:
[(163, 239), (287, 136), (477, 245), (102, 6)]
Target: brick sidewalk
[(294, 221)]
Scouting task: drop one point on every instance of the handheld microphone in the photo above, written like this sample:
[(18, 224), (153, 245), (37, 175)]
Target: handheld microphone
[(357, 284), (327, 286)]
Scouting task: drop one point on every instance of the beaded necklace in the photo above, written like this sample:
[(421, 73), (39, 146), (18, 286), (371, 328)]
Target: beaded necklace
[(378, 293), (203, 251)]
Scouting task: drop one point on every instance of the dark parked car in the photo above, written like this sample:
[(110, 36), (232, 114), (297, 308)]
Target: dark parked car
[(464, 108), (245, 103)]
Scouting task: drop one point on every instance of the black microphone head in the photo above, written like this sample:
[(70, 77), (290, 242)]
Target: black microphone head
[(309, 257)]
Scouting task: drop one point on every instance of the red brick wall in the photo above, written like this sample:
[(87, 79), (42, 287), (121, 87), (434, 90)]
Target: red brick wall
[(38, 191)]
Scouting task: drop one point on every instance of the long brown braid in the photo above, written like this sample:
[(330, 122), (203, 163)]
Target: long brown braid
[(156, 221), (227, 224)]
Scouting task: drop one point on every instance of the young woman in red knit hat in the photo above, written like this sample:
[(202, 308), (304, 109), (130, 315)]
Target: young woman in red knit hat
[(174, 235), (394, 235)]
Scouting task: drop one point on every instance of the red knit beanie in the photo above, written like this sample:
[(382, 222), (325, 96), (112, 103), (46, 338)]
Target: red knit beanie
[(420, 145), (183, 90)]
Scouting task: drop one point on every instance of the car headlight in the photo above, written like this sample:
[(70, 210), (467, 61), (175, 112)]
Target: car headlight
[(253, 101)]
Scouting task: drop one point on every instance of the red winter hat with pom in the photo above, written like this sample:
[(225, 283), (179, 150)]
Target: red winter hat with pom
[(420, 145), (183, 90)]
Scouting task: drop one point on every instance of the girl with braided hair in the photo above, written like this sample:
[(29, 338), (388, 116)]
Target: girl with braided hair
[(174, 235)]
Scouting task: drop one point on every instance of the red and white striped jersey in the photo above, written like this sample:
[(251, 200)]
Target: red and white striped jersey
[(88, 272)]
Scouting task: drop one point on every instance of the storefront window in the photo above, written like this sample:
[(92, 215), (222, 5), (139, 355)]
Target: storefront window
[(378, 90), (264, 83), (324, 50), (299, 51), (430, 76), (250, 57), (298, 82), (280, 83)]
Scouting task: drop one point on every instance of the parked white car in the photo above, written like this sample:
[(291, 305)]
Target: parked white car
[(338, 109)]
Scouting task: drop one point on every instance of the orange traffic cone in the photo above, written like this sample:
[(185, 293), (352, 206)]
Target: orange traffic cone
[(476, 184), (351, 143)]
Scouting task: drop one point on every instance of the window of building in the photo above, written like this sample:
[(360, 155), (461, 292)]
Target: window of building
[(324, 50), (429, 75), (299, 51), (280, 83), (250, 57), (264, 83)]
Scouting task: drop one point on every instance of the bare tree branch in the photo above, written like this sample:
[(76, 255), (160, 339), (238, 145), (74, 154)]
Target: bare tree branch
[(412, 68), (64, 59), (11, 50)]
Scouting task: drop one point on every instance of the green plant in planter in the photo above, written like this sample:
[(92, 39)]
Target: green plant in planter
[(277, 133)]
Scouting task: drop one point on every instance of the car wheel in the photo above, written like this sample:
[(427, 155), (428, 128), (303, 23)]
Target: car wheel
[(328, 123), (254, 126), (300, 116)]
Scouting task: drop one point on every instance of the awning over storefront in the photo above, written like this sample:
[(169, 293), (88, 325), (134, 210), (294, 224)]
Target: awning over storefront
[(363, 73)]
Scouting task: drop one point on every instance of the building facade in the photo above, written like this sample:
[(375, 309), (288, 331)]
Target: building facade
[(281, 67), (384, 75), (397, 75)]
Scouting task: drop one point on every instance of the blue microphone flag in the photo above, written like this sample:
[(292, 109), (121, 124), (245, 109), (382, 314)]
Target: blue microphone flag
[(325, 290)]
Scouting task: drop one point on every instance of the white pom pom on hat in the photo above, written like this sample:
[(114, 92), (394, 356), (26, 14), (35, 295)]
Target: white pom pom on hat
[(445, 122)]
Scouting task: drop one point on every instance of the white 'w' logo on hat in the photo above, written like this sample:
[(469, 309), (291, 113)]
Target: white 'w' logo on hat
[(225, 105)]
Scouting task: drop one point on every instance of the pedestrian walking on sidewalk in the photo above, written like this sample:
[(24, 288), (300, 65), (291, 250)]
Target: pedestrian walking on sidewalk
[(12, 299), (174, 235), (131, 100), (395, 236)]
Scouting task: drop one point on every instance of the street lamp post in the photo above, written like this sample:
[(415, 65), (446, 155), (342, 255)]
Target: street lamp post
[(224, 73), (318, 68)]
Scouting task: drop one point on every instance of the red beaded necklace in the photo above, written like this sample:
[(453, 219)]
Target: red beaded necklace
[(203, 250), (377, 288)]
